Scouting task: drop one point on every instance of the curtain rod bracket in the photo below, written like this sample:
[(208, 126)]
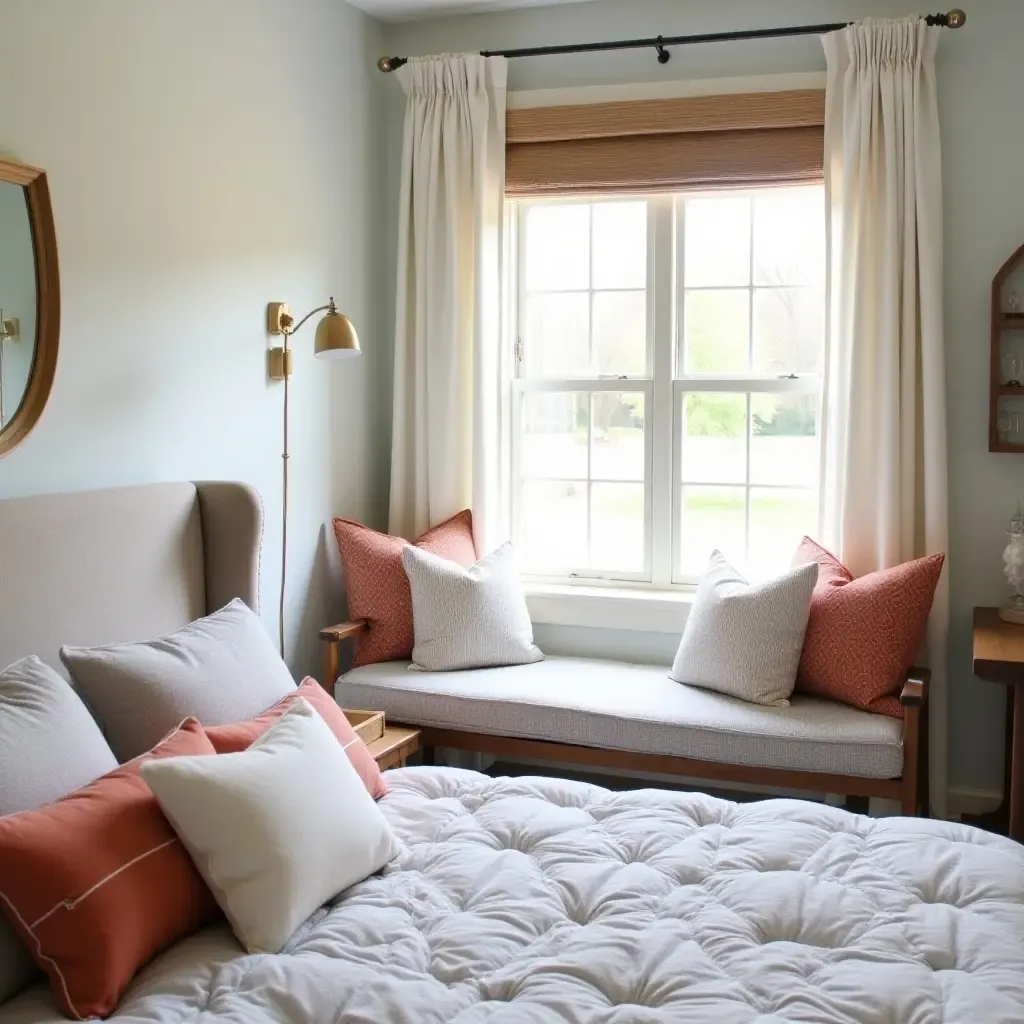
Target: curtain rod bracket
[(663, 55)]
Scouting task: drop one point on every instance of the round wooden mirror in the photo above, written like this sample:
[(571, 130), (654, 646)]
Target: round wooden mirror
[(29, 300)]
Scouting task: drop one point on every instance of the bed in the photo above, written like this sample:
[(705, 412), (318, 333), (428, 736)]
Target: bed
[(531, 899)]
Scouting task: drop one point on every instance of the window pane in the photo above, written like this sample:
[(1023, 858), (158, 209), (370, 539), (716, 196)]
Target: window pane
[(556, 341), (554, 517), (717, 332), (620, 245), (555, 435), (784, 444), (779, 517), (712, 517), (557, 247), (789, 330), (620, 332), (618, 439), (715, 438), (617, 527), (789, 236), (717, 242)]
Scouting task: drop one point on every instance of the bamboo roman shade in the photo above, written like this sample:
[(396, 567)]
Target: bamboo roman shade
[(666, 145)]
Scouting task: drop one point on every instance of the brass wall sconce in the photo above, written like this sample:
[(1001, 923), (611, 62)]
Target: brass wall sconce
[(336, 338)]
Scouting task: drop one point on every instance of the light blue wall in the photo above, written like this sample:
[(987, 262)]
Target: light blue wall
[(981, 82), (205, 158)]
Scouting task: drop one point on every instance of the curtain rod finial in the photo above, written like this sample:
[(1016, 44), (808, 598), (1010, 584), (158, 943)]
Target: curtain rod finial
[(956, 18), (386, 64)]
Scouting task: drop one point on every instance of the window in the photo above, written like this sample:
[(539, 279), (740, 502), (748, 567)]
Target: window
[(666, 396)]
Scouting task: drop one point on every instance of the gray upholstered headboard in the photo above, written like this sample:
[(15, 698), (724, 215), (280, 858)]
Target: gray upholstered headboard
[(125, 564)]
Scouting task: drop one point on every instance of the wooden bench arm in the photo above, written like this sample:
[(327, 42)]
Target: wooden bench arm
[(331, 637), (344, 630), (915, 688)]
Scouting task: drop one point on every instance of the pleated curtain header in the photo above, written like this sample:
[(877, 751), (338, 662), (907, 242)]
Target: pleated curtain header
[(730, 141)]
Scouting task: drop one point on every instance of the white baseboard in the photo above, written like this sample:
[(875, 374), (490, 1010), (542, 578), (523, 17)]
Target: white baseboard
[(966, 800)]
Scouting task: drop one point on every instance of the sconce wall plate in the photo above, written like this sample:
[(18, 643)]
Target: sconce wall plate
[(275, 312), (279, 359), (279, 363)]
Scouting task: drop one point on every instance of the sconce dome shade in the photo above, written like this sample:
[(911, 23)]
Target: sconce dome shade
[(336, 338)]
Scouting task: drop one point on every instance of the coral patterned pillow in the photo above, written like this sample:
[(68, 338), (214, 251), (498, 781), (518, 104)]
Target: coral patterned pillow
[(378, 588), (98, 883), (863, 634), (230, 739)]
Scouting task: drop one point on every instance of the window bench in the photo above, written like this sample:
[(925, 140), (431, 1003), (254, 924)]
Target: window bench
[(610, 714)]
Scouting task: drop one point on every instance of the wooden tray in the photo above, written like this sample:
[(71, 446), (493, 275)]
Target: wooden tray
[(369, 725)]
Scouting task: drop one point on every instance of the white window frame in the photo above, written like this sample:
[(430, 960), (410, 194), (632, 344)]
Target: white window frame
[(664, 390)]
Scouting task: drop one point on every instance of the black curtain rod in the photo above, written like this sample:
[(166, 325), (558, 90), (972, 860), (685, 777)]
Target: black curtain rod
[(954, 19)]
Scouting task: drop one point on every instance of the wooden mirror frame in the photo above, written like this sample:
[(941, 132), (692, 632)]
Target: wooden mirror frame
[(44, 247)]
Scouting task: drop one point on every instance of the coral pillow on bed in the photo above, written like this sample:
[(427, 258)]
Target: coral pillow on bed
[(98, 883), (229, 739), (377, 587), (863, 634)]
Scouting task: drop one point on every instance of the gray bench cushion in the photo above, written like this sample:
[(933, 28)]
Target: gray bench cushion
[(614, 705)]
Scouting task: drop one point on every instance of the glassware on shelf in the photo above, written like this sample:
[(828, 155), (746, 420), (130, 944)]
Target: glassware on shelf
[(1013, 304), (1008, 425), (1013, 564), (1013, 365)]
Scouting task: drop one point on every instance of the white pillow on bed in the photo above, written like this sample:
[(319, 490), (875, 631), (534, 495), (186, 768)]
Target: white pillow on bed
[(275, 830), (220, 669), (468, 618)]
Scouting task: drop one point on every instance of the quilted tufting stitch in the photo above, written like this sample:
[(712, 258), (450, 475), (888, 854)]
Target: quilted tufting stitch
[(528, 901)]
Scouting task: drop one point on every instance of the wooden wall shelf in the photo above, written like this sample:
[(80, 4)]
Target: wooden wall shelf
[(1004, 325)]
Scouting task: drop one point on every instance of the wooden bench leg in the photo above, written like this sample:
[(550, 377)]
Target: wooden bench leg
[(909, 791), (924, 796), (331, 671)]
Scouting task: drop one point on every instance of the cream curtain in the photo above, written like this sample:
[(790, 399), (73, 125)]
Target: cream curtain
[(447, 391), (885, 406)]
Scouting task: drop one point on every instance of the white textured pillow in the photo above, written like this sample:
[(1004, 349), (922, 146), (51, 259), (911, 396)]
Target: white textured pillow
[(276, 830), (468, 618), (220, 669), (745, 639)]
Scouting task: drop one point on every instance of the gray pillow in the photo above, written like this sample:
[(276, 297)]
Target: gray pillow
[(220, 669), (49, 746), (745, 639), (468, 618)]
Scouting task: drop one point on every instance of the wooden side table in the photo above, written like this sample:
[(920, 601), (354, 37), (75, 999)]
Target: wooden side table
[(392, 749), (999, 658)]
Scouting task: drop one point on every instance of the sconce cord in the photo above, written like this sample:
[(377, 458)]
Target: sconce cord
[(288, 328), (285, 456)]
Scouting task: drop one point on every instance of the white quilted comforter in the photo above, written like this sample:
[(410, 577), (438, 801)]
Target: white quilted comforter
[(540, 900)]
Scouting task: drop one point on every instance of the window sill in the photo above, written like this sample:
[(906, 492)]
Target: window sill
[(653, 611)]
